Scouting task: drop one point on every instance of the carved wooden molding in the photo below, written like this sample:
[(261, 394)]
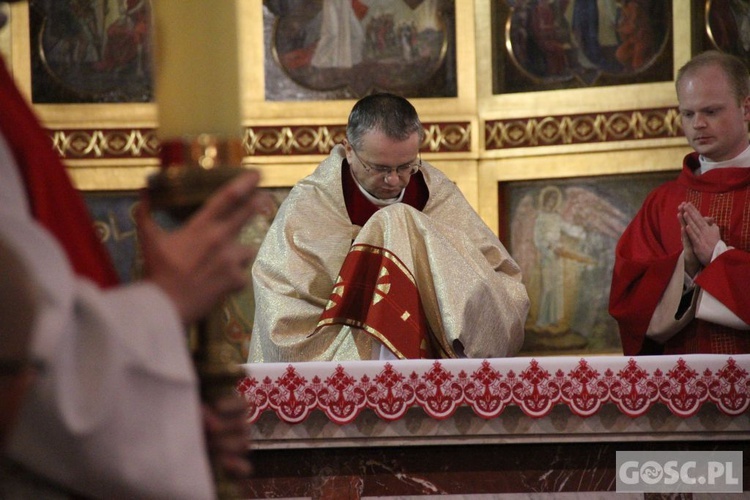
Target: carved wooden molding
[(274, 140)]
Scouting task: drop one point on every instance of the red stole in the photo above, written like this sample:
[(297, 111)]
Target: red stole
[(374, 290), (54, 201)]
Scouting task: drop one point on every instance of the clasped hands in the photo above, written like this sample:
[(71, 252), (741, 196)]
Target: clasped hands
[(699, 237)]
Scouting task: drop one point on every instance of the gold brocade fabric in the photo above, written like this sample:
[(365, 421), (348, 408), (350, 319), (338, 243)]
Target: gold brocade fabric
[(471, 288)]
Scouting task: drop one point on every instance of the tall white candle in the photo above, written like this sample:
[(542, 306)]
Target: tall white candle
[(197, 67)]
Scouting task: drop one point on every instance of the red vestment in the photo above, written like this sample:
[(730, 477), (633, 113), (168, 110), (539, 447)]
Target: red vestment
[(648, 252), (54, 201)]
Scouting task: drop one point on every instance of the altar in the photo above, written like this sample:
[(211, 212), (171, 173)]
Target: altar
[(474, 427)]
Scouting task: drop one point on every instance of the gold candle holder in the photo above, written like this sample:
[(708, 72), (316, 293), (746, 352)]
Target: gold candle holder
[(193, 168)]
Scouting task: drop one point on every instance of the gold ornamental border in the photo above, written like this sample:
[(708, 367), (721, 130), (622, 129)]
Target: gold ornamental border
[(104, 144), (445, 137), (284, 140), (583, 128), (281, 140)]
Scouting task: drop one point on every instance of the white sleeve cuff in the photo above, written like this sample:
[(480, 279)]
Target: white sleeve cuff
[(708, 308), (719, 249)]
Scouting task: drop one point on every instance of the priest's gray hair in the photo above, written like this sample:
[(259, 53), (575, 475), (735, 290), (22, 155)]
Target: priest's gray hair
[(390, 114)]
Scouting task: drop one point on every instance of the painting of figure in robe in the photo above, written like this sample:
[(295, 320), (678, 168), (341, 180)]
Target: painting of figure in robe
[(727, 25), (557, 44), (563, 233), (336, 49), (91, 51)]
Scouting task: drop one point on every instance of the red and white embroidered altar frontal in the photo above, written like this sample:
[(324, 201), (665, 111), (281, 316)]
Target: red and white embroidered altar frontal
[(536, 385)]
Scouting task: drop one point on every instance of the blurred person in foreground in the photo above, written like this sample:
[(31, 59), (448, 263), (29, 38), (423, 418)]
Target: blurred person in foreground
[(116, 411), (18, 303)]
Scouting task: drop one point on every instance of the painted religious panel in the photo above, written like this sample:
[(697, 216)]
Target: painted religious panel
[(114, 221), (563, 233), (722, 25), (562, 44), (90, 51), (345, 49)]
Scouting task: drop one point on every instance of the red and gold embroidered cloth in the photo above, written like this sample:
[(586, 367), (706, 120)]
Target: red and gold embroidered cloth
[(376, 293)]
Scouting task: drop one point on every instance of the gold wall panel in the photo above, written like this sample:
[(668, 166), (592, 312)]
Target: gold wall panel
[(112, 146)]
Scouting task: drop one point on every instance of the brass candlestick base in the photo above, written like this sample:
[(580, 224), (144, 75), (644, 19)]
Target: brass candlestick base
[(192, 170)]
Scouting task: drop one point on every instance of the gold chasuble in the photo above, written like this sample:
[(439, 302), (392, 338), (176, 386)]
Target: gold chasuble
[(417, 283)]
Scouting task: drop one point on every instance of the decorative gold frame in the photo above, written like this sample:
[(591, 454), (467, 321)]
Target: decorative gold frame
[(261, 112), (114, 146), (478, 138), (566, 133), (575, 132), (286, 140), (106, 146)]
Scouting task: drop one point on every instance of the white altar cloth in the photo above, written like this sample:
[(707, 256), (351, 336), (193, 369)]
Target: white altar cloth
[(633, 385)]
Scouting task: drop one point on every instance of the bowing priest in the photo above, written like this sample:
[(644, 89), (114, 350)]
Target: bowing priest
[(377, 255), (683, 265)]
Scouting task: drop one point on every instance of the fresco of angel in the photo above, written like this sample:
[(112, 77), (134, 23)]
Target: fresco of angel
[(564, 237)]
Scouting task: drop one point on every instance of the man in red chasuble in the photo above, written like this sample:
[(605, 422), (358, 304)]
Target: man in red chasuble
[(377, 255), (682, 266)]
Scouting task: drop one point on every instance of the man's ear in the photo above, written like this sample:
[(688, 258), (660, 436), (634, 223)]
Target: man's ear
[(746, 108), (347, 149)]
